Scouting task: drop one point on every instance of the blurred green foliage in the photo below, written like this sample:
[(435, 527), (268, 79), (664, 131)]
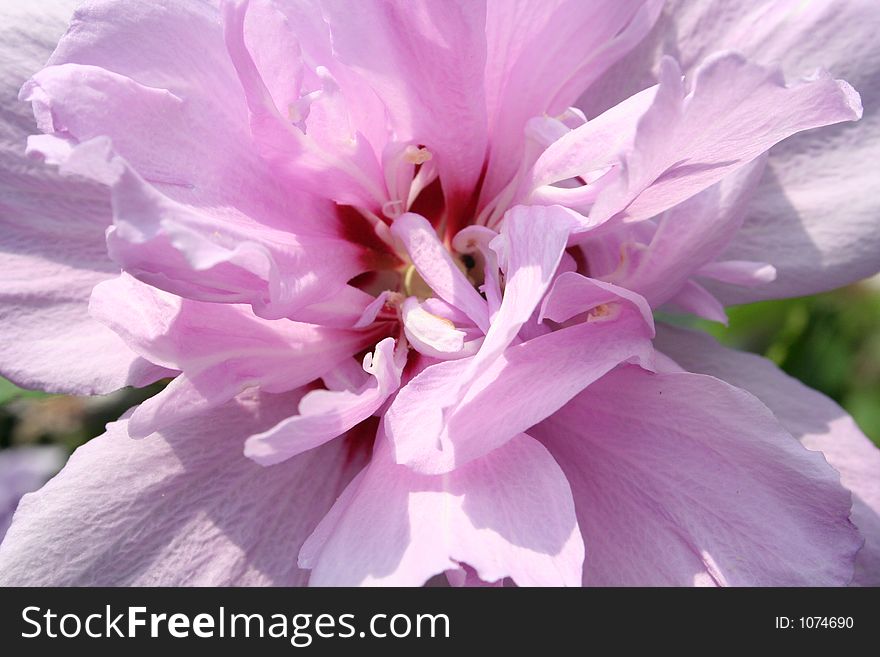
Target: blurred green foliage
[(9, 391), (33, 417), (829, 341)]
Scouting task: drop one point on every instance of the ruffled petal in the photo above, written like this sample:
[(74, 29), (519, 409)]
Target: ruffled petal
[(52, 238), (181, 508), (426, 62), (508, 514), (326, 414), (541, 57), (810, 218), (689, 140), (196, 210), (681, 479), (810, 416), (692, 235), (433, 435), (220, 348), (344, 167)]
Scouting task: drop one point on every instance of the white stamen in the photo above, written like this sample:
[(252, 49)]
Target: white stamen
[(415, 155)]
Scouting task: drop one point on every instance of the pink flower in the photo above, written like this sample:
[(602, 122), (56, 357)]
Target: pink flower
[(404, 289)]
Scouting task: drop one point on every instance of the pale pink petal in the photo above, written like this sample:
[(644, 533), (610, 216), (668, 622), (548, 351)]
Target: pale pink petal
[(442, 309), (815, 420), (529, 249), (682, 479), (226, 258), (181, 508), (52, 238), (212, 218), (220, 348), (435, 265), (694, 299), (573, 294), (371, 311), (199, 152), (691, 235), (739, 272), (348, 307), (592, 147), (535, 377), (326, 414), (541, 56), (689, 140), (508, 514), (426, 62), (811, 218), (430, 334), (810, 176), (347, 170)]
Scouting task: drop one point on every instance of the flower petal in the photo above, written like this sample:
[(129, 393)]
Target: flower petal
[(191, 198), (687, 141), (227, 258), (181, 508), (508, 514), (326, 414), (529, 248), (430, 334), (691, 235), (197, 150), (220, 348), (345, 169), (52, 238), (682, 479), (434, 264), (811, 176), (810, 416), (426, 63), (541, 56), (535, 377)]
